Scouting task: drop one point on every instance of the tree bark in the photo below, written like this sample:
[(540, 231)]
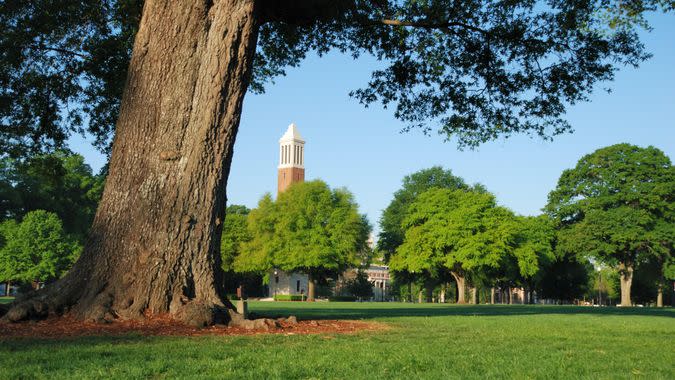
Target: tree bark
[(474, 295), (492, 295), (7, 294), (510, 292), (153, 247), (626, 274), (441, 296), (461, 287), (410, 296), (311, 288)]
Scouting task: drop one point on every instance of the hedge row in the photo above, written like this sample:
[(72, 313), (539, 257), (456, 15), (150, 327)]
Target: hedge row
[(289, 297)]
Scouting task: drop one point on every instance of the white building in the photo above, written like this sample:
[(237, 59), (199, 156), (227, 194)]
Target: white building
[(378, 275), (293, 283)]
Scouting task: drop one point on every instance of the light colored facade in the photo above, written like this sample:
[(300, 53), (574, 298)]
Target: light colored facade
[(378, 275), (292, 283)]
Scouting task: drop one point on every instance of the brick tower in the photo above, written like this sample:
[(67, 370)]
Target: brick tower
[(291, 159)]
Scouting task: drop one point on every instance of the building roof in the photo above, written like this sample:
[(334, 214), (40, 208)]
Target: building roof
[(292, 134)]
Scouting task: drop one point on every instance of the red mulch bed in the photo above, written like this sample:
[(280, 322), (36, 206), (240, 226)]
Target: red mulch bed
[(62, 327)]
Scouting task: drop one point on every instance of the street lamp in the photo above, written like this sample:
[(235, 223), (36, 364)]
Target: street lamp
[(599, 284)]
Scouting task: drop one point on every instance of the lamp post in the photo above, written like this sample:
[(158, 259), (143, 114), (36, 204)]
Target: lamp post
[(599, 284), (276, 283)]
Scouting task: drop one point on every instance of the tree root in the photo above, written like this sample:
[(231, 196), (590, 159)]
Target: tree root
[(192, 313)]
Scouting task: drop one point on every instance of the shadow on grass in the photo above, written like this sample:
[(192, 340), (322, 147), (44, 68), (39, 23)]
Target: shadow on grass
[(388, 310)]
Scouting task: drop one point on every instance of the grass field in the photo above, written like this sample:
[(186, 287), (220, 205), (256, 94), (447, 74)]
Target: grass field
[(6, 299), (423, 341)]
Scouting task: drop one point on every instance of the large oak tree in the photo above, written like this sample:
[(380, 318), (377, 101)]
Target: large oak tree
[(616, 206), (474, 70)]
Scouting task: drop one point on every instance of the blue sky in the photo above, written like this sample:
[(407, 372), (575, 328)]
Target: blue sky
[(362, 149)]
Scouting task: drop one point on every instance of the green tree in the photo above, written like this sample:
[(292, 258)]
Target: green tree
[(472, 70), (392, 232), (617, 207), (566, 278), (235, 233), (10, 267), (391, 222), (359, 286), (37, 249), (310, 229), (59, 182), (463, 231), (533, 249)]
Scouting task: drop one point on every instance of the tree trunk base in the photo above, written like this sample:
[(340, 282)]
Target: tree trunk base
[(106, 306), (194, 313)]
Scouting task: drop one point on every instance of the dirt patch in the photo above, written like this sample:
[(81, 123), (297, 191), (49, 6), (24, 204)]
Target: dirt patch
[(163, 325)]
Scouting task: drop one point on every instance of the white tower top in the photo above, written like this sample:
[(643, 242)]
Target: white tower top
[(291, 149)]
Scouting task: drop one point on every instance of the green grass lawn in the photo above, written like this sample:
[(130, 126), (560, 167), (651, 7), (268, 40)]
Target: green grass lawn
[(423, 341), (6, 300)]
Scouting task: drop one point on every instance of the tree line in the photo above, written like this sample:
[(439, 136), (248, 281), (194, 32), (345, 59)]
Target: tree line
[(47, 203), (609, 219), (614, 210)]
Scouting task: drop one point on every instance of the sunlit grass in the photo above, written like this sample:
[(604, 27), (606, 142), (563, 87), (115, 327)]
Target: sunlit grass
[(423, 341)]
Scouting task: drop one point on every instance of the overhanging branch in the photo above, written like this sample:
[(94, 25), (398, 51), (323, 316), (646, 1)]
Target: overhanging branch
[(429, 25)]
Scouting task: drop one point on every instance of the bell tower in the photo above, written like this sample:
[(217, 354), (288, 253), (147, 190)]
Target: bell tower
[(291, 159)]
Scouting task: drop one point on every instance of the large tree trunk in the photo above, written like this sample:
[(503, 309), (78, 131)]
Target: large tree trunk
[(153, 246), (626, 276), (492, 295), (461, 287), (441, 295)]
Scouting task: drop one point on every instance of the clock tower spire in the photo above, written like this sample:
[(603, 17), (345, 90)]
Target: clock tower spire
[(291, 159)]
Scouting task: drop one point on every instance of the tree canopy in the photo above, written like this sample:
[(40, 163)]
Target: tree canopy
[(617, 206), (235, 233), (59, 182), (470, 70), (391, 222), (460, 230), (533, 245), (37, 249), (310, 228)]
